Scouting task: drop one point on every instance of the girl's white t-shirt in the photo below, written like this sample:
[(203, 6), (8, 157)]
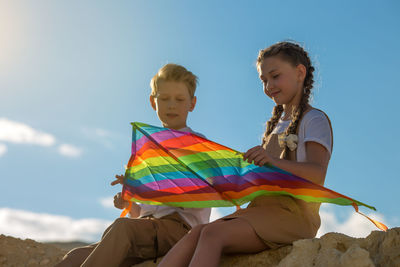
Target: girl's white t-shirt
[(314, 127)]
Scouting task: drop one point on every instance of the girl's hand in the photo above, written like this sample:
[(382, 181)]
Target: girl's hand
[(119, 180), (259, 155)]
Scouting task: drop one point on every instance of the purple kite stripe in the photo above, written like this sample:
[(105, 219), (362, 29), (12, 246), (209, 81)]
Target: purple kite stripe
[(171, 183), (162, 136), (229, 183), (133, 149), (259, 182), (156, 194), (289, 181), (250, 176)]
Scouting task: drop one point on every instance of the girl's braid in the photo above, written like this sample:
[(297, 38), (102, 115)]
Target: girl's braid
[(294, 54), (276, 114)]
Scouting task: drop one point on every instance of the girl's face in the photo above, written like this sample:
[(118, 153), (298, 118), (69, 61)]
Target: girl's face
[(282, 82)]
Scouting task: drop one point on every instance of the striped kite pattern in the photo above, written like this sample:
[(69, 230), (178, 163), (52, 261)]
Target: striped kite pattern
[(181, 169)]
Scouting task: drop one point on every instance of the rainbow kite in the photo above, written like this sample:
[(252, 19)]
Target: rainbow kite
[(182, 169)]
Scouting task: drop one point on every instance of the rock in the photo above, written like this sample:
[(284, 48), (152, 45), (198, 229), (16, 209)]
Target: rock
[(17, 252), (3, 259), (356, 257), (331, 250), (32, 263), (44, 262), (265, 258)]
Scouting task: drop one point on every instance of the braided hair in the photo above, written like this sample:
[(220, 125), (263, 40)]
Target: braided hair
[(295, 55)]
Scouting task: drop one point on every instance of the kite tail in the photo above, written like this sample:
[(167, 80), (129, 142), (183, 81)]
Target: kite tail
[(126, 210), (380, 225)]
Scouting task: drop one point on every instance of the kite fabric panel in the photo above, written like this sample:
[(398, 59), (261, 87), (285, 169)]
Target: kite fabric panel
[(182, 169)]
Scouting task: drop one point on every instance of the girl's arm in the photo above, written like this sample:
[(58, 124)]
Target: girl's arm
[(314, 169)]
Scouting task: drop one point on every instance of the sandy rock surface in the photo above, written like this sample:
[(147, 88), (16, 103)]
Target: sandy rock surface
[(17, 252), (333, 249)]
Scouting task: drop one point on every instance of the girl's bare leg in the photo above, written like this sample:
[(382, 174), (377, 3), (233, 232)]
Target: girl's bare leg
[(181, 253), (231, 236)]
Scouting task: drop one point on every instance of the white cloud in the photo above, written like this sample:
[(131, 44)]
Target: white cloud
[(353, 224), (69, 150), (45, 227), (49, 227), (3, 149), (102, 132), (105, 137), (19, 133), (107, 202)]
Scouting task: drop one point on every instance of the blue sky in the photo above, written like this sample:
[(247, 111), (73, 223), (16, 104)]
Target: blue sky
[(74, 74)]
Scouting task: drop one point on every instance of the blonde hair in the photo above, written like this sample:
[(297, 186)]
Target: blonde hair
[(174, 73)]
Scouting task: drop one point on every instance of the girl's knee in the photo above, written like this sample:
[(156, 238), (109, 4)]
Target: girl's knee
[(194, 233), (197, 229), (212, 231)]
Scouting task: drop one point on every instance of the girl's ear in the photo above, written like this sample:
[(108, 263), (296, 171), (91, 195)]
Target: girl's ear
[(153, 102), (193, 103), (301, 72)]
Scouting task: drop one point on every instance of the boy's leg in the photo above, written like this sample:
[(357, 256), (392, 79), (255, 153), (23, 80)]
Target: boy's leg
[(124, 236), (170, 229), (137, 239), (76, 256)]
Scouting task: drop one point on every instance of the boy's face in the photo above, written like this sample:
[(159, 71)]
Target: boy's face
[(172, 104)]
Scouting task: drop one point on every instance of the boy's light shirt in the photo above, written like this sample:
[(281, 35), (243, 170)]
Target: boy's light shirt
[(192, 216)]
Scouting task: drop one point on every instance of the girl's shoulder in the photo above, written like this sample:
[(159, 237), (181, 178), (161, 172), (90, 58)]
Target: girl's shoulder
[(316, 117), (315, 113), (316, 125)]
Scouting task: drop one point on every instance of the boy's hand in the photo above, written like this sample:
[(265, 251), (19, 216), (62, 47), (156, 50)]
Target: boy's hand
[(259, 155), (119, 180), (119, 202)]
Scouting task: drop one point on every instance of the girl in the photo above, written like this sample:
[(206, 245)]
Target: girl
[(298, 139)]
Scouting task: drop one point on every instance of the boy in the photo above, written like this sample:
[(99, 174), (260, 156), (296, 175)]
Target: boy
[(152, 230)]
